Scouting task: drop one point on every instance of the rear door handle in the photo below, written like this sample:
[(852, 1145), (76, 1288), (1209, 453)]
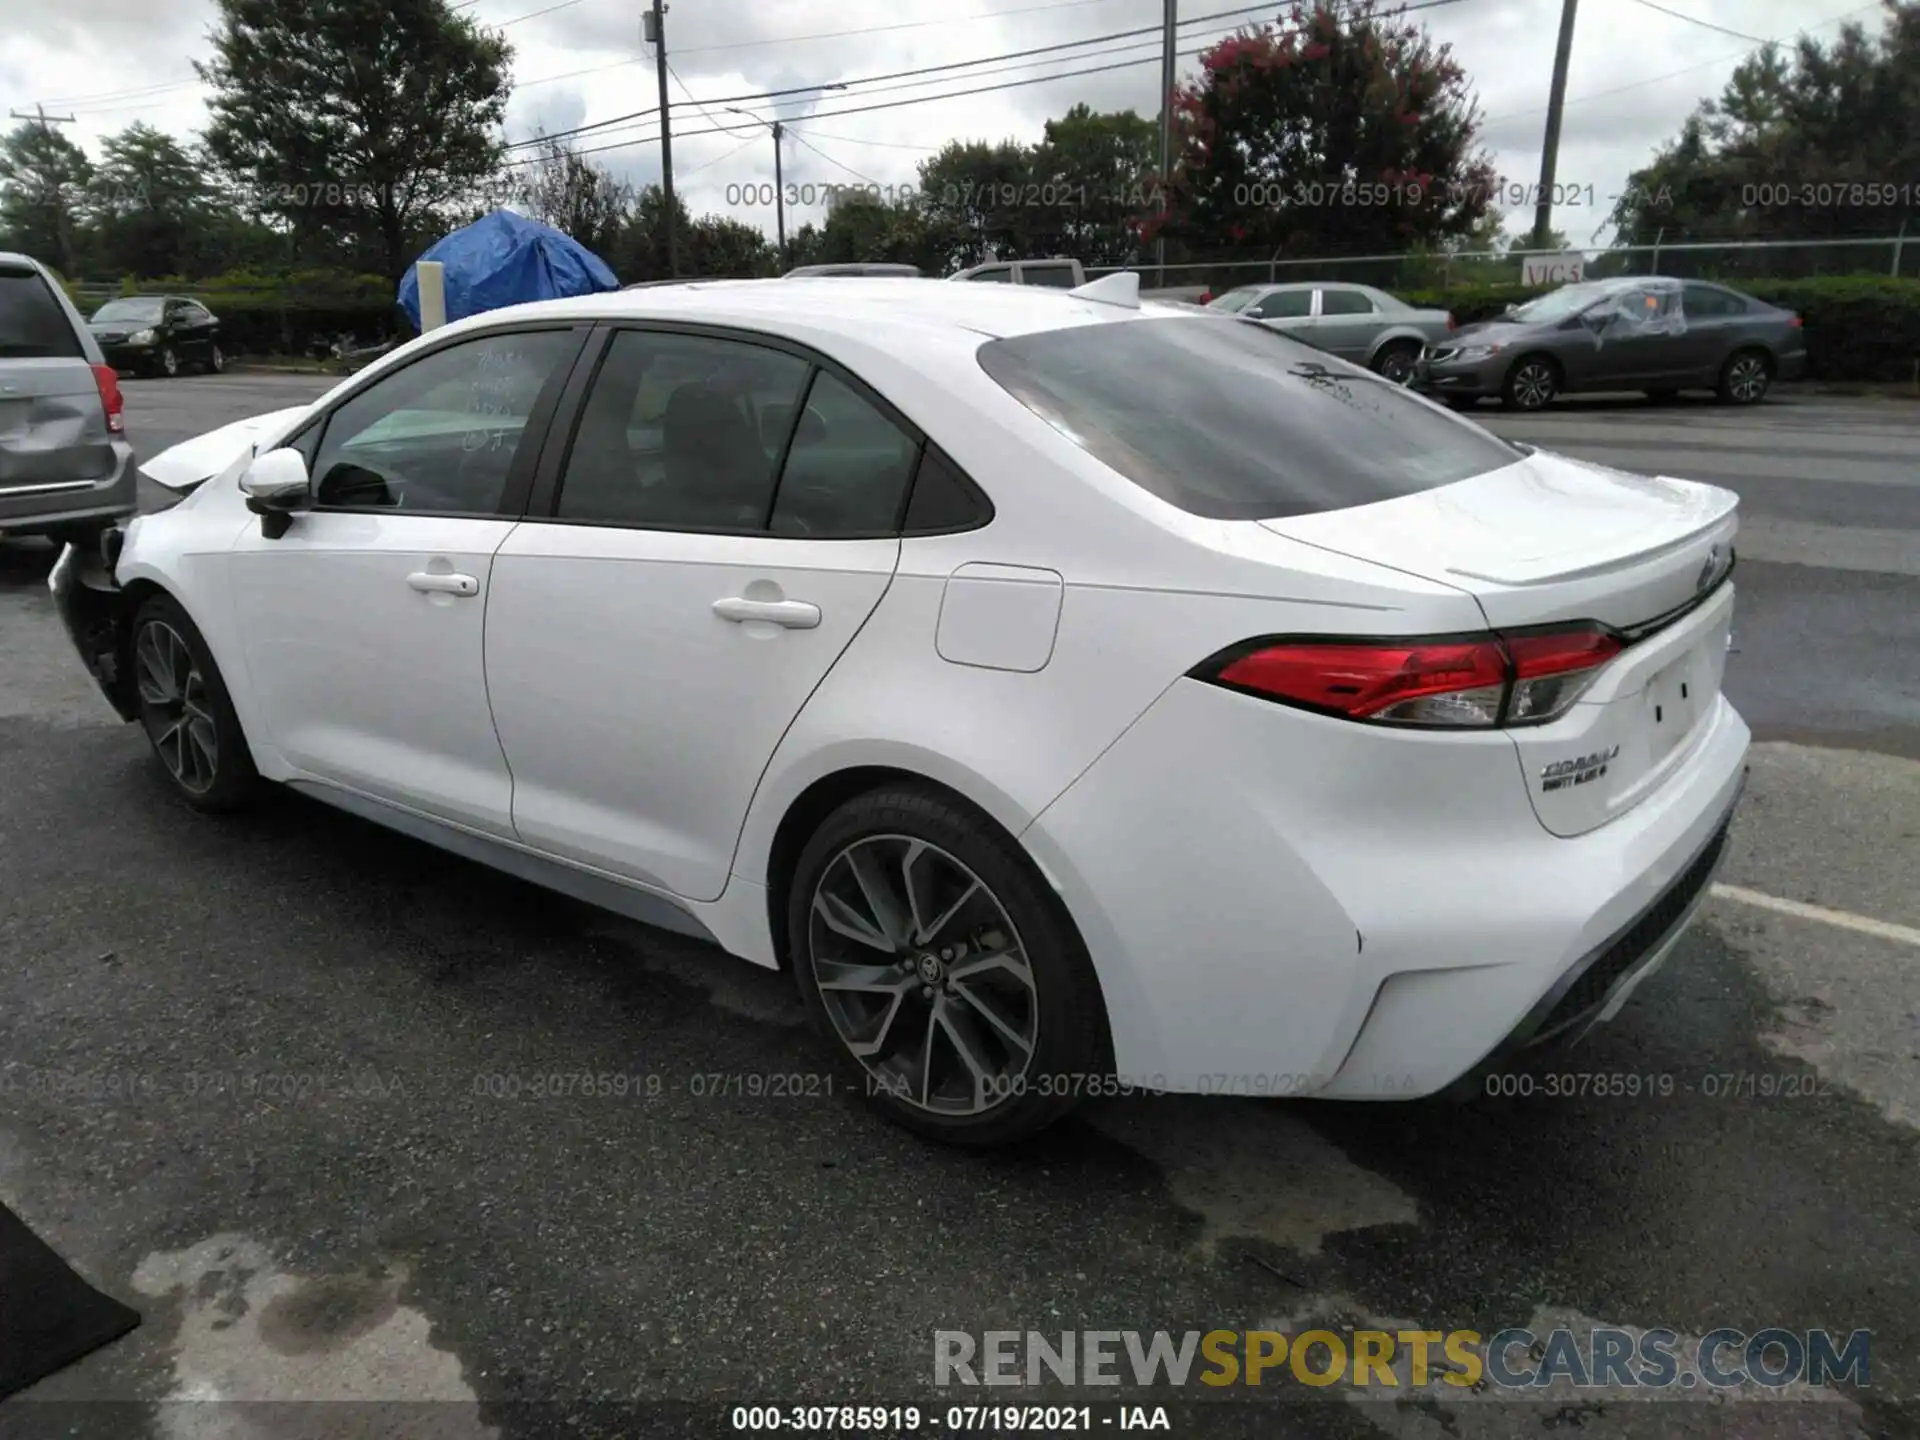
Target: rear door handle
[(435, 584), (794, 614)]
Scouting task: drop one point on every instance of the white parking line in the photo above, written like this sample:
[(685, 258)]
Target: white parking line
[(1904, 934)]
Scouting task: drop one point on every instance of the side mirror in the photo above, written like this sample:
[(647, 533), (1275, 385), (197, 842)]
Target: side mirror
[(276, 486)]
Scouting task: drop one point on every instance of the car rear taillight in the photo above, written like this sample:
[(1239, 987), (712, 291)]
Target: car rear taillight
[(1452, 324), (1442, 682), (1795, 321), (1206, 297), (107, 381)]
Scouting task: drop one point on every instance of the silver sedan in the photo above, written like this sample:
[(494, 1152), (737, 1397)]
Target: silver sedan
[(1355, 322)]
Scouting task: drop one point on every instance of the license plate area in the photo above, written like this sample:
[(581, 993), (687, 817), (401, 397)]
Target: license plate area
[(1673, 700)]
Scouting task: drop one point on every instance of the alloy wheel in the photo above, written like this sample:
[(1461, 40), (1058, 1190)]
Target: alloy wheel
[(1747, 378), (923, 975), (169, 362), (1533, 385), (1397, 365), (175, 707), (218, 361)]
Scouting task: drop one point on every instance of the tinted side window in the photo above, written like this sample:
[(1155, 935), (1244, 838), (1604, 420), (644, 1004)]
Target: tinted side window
[(1706, 301), (942, 499), (1060, 277), (1344, 302), (440, 435), (33, 324), (848, 470), (681, 432), (1284, 305), (1240, 423)]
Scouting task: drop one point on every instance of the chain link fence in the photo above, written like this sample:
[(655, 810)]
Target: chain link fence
[(1894, 255)]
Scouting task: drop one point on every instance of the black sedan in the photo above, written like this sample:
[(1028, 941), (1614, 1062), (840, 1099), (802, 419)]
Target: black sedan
[(158, 335)]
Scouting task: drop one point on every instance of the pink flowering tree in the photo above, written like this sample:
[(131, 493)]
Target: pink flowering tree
[(1341, 129)]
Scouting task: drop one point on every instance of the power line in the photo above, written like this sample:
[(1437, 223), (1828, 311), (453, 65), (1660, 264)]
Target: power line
[(831, 161), (901, 25), (1684, 70), (1703, 24), (951, 65), (877, 144), (957, 94)]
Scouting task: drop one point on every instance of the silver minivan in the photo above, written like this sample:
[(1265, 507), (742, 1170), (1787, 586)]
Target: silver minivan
[(66, 469)]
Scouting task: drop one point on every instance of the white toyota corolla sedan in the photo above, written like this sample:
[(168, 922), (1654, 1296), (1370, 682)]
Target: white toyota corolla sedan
[(1076, 695)]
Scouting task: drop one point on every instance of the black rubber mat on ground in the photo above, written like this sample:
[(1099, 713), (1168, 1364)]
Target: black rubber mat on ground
[(49, 1316)]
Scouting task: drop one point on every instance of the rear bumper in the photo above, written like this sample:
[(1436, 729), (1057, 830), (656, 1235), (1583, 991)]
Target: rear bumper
[(1791, 366), (93, 610), (33, 509), (1278, 903)]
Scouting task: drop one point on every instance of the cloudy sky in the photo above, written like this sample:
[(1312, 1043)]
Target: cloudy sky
[(1638, 69)]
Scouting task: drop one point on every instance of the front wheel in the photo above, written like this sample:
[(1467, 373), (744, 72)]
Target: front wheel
[(1745, 378), (168, 362), (1397, 362), (186, 711), (1531, 384), (944, 973)]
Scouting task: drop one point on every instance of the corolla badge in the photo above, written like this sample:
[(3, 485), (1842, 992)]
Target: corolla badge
[(1579, 771)]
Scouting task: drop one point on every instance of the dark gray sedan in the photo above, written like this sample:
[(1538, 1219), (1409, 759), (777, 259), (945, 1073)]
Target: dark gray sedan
[(1653, 334), (1355, 322)]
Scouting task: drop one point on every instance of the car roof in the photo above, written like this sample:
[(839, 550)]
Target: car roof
[(850, 306)]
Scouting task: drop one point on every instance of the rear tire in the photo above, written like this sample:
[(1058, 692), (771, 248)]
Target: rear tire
[(185, 709), (216, 361), (965, 1008), (1745, 378), (1531, 383)]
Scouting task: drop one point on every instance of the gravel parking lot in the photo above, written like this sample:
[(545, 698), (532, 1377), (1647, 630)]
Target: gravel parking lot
[(272, 1081)]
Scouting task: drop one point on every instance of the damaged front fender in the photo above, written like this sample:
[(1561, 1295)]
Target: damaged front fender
[(96, 613)]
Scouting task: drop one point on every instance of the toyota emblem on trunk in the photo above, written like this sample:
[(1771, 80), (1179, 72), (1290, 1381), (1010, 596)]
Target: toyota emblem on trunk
[(1709, 570)]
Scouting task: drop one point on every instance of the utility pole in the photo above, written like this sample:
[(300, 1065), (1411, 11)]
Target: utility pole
[(654, 28), (63, 222), (1556, 102), (1166, 136), (779, 200)]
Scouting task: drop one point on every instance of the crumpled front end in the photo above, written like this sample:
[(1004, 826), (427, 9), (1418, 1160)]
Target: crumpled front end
[(96, 613)]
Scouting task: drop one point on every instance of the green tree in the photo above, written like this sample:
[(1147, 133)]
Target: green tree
[(1821, 143), (1093, 180), (148, 196), (357, 119), (640, 249), (723, 247), (577, 197), (981, 200), (1346, 131), (43, 194)]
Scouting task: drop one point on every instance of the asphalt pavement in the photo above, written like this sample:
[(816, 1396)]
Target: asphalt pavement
[(254, 1081)]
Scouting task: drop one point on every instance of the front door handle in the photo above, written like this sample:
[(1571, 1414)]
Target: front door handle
[(435, 584), (794, 614)]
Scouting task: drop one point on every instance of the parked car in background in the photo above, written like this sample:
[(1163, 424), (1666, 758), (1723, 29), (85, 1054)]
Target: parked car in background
[(1059, 272), (1355, 322), (869, 269), (1646, 333), (158, 334), (65, 464)]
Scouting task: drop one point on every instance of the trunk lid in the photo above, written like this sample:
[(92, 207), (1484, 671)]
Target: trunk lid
[(1552, 540), (53, 427)]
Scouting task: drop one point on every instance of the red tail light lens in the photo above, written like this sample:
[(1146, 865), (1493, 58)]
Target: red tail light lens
[(1472, 682), (1795, 321), (111, 401), (1452, 324)]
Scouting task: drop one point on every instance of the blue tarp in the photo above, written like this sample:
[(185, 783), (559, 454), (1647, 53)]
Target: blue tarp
[(507, 259)]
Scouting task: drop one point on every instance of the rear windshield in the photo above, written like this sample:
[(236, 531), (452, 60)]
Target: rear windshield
[(1226, 419), (32, 323)]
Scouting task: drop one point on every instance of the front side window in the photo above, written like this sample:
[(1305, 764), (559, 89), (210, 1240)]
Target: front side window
[(440, 435), (681, 432), (1284, 305), (1240, 423)]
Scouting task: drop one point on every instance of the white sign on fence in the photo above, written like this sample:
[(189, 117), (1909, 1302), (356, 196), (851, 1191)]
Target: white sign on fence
[(1565, 268)]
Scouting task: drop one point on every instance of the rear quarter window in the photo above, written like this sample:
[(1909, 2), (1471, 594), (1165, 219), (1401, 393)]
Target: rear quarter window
[(1228, 420), (33, 323)]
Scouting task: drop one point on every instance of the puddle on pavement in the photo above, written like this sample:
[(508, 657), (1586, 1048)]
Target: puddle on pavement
[(1253, 1169), (268, 1345)]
